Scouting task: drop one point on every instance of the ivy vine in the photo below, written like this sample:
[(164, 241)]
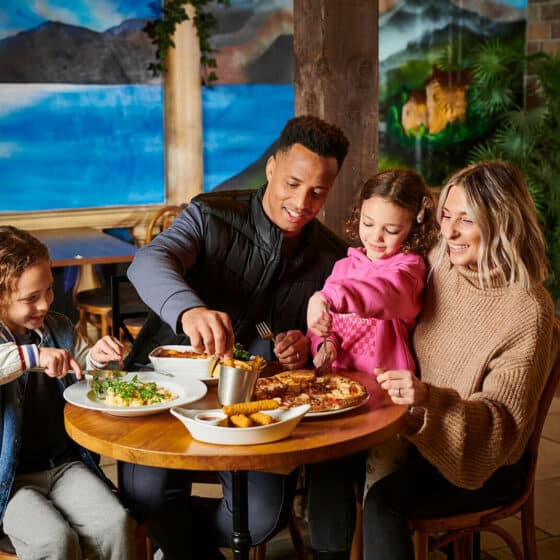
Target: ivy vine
[(161, 31)]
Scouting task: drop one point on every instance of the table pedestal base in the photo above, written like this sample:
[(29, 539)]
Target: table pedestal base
[(240, 536)]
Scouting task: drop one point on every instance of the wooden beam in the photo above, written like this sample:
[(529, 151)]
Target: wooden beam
[(183, 115), (336, 69)]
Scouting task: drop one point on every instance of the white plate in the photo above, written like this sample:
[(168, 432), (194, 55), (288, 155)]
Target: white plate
[(188, 390), (287, 421), (337, 411)]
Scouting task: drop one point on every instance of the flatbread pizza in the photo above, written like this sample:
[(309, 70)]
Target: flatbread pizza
[(325, 393)]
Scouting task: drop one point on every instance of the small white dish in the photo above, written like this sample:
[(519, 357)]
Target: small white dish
[(287, 420), (212, 418), (187, 391), (198, 368)]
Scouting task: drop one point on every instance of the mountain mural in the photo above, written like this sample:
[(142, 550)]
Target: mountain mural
[(428, 23), (247, 41), (254, 43), (59, 53)]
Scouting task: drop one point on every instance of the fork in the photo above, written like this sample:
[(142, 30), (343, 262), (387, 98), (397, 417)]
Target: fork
[(264, 331)]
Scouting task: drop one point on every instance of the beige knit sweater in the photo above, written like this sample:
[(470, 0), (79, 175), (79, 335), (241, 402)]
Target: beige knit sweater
[(485, 355)]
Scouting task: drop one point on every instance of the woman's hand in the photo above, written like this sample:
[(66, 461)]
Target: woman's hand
[(209, 331), (291, 349), (403, 386), (319, 320), (107, 349), (326, 354), (57, 362)]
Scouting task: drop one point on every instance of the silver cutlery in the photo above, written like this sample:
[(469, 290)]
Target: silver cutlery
[(264, 331)]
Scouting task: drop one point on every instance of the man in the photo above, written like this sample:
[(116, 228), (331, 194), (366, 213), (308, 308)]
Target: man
[(223, 266)]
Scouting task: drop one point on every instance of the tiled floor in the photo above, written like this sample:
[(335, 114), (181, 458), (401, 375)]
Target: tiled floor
[(547, 504)]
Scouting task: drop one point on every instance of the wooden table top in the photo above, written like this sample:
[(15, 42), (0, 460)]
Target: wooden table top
[(77, 246), (161, 440)]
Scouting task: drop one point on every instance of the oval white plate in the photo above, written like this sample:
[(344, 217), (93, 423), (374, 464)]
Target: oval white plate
[(188, 390), (197, 368), (338, 410), (287, 421)]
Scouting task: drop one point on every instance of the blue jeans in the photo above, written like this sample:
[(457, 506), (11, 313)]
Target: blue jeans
[(420, 490), (195, 530)]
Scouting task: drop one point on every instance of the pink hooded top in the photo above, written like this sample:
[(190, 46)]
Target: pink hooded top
[(374, 304)]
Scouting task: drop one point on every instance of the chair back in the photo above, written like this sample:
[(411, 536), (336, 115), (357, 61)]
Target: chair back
[(162, 219), (532, 449)]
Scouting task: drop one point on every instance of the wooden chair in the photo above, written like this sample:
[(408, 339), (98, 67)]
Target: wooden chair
[(459, 529), (95, 305)]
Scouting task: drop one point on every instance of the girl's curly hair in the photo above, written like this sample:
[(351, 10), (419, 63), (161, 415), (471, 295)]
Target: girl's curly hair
[(18, 251), (406, 189)]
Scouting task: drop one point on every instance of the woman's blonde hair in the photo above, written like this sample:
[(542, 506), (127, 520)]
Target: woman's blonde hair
[(512, 244), (18, 251), (406, 189)]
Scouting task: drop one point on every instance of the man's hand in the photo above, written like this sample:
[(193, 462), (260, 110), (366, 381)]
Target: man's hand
[(57, 362), (291, 349), (319, 320), (107, 349), (209, 331)]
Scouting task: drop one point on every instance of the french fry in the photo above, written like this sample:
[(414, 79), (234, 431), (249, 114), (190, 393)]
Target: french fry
[(250, 407), (261, 418), (241, 421)]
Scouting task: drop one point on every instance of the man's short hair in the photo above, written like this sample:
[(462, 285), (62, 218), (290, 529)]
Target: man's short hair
[(322, 138)]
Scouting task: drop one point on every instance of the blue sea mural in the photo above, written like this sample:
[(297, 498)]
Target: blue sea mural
[(86, 131)]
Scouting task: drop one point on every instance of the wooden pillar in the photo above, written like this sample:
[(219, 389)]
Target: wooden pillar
[(183, 116), (336, 68)]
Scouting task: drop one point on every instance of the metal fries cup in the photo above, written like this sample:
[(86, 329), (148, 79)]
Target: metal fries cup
[(236, 385)]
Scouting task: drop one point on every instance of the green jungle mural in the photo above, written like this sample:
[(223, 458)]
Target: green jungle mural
[(432, 58)]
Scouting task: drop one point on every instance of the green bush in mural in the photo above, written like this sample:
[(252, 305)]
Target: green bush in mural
[(528, 135), (435, 155)]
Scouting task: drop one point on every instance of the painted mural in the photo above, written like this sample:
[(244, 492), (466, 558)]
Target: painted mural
[(428, 119), (81, 116), (429, 57)]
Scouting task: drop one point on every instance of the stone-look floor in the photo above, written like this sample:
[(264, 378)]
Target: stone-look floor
[(547, 505)]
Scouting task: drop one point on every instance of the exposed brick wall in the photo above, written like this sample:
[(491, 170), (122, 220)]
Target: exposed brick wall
[(543, 26)]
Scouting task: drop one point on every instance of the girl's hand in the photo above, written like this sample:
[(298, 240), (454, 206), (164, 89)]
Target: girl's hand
[(291, 349), (319, 320), (403, 386), (107, 349), (57, 362), (326, 354)]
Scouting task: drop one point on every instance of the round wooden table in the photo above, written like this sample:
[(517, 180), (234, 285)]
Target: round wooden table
[(161, 440)]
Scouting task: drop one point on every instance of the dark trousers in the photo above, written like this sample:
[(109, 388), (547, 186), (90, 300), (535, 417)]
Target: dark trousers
[(331, 505), (185, 529), (419, 490)]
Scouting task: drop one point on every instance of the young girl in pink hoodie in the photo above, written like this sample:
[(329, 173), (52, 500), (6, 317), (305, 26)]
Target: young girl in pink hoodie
[(361, 320), (363, 316)]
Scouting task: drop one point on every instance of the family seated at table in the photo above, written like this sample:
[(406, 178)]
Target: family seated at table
[(467, 345)]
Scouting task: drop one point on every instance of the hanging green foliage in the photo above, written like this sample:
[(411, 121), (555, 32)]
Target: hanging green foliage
[(161, 33), (528, 137)]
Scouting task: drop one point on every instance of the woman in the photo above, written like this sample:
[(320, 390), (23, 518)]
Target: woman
[(483, 345)]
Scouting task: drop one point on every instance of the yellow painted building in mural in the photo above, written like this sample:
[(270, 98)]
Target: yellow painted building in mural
[(442, 101)]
